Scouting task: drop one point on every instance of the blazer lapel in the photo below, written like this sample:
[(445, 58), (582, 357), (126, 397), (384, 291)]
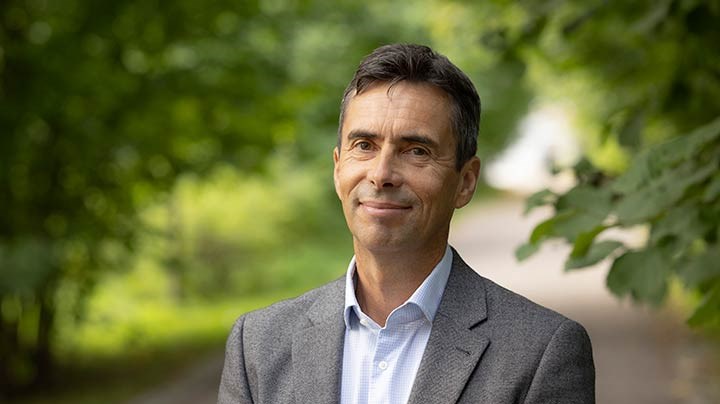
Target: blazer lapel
[(453, 349), (317, 350)]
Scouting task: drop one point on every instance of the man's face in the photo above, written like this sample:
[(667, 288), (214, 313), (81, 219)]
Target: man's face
[(395, 171)]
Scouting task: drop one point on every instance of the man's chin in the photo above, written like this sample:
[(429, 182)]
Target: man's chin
[(384, 242)]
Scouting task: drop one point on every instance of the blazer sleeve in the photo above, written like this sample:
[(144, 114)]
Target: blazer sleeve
[(234, 386), (566, 372)]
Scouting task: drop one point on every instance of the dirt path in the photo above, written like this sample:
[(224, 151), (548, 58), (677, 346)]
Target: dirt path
[(640, 356)]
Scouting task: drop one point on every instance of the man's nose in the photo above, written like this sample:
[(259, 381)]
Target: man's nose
[(385, 173)]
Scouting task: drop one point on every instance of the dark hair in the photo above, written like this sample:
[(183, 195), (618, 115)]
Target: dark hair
[(420, 64)]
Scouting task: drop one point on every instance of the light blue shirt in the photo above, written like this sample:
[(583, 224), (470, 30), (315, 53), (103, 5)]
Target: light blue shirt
[(380, 363)]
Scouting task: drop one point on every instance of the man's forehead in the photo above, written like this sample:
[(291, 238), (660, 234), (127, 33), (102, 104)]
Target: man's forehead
[(402, 110), (406, 100)]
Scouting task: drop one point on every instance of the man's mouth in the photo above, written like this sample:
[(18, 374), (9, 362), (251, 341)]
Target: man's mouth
[(384, 208)]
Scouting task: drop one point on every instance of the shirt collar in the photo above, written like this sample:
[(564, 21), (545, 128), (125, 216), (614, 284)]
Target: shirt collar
[(427, 296)]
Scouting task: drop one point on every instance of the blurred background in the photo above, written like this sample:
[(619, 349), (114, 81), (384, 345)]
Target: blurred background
[(166, 167)]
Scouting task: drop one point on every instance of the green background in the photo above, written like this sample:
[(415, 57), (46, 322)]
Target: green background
[(165, 166)]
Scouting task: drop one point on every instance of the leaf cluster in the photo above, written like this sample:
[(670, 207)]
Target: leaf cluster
[(673, 189), (643, 79)]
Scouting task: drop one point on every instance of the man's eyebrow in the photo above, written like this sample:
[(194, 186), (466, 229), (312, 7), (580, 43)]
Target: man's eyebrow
[(420, 139), (361, 134), (410, 138)]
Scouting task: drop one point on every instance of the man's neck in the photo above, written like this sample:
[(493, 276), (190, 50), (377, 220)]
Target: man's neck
[(385, 281)]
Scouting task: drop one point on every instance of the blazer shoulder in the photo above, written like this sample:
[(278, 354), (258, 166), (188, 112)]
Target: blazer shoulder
[(534, 354), (502, 306), (506, 303), (516, 318)]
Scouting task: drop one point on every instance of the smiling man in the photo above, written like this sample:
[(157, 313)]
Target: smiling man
[(409, 322)]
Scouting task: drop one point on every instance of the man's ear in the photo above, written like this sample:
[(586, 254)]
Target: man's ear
[(469, 175), (336, 158)]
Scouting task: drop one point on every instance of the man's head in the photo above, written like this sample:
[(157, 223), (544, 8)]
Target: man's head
[(419, 64), (398, 172)]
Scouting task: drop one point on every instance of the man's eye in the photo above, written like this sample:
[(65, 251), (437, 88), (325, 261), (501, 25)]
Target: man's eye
[(363, 145), (418, 151)]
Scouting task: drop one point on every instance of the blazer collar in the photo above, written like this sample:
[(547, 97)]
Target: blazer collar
[(452, 352), (317, 349), (455, 344)]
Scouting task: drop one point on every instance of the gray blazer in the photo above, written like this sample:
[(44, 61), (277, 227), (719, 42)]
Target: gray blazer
[(487, 345)]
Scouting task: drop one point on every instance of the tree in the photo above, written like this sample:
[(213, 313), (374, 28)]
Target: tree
[(103, 105), (645, 79)]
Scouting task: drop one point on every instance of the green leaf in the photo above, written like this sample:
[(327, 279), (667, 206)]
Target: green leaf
[(585, 171), (525, 251), (595, 254), (654, 161), (646, 203), (586, 198), (707, 313), (567, 224), (643, 274), (713, 189), (576, 223), (660, 194), (702, 268), (584, 240), (682, 223), (547, 228), (702, 136), (644, 168), (540, 198)]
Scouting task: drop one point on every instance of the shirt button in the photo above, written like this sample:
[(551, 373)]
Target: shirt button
[(382, 365), (364, 322)]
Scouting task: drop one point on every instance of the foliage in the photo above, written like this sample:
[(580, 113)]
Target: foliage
[(207, 244), (105, 107), (672, 187), (167, 301), (182, 143), (640, 73)]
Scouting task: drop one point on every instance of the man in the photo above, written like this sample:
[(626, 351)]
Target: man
[(410, 322)]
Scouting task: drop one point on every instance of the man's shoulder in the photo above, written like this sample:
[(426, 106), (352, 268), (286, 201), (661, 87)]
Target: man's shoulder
[(510, 305), (520, 327), (508, 311)]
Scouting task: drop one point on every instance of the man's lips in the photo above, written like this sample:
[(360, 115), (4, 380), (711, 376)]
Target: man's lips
[(384, 205), (383, 209)]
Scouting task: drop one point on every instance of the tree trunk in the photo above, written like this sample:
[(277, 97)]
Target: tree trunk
[(14, 357), (43, 355), (8, 345)]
